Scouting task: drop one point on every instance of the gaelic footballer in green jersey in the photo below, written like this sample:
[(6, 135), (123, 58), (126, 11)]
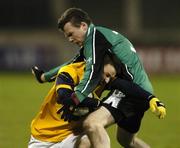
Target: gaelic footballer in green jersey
[(96, 42)]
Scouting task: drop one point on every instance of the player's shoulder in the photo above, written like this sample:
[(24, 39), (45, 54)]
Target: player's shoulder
[(73, 69), (67, 68)]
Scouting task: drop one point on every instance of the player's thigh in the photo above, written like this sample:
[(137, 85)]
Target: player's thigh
[(123, 136), (101, 116)]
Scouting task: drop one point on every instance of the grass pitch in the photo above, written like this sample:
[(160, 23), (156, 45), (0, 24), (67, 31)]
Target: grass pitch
[(21, 97)]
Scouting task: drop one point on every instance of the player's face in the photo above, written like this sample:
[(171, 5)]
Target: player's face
[(75, 34), (109, 72)]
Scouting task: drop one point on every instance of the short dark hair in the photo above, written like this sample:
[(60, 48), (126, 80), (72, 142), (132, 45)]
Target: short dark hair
[(75, 16)]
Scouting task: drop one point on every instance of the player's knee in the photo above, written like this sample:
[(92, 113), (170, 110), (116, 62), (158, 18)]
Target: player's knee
[(128, 144), (83, 143), (91, 125), (131, 143)]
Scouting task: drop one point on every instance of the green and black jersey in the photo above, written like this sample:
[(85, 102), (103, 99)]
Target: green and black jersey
[(99, 42)]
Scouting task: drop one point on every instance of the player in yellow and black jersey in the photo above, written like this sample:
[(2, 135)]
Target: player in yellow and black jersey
[(47, 128)]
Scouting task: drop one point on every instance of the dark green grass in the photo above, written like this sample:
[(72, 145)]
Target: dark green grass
[(21, 97)]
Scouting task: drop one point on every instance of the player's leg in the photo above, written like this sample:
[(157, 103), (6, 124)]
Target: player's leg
[(127, 129), (83, 142), (94, 126), (129, 140)]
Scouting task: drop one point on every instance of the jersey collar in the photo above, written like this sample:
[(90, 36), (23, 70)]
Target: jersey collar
[(89, 31)]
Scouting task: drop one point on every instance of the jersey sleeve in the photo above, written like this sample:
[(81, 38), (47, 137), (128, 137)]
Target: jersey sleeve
[(51, 74), (67, 78), (65, 82)]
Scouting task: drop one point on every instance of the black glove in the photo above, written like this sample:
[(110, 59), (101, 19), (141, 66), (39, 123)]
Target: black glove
[(37, 73), (67, 113), (91, 103), (65, 98), (69, 108), (70, 99)]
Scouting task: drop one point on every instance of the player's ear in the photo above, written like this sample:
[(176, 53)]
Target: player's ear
[(84, 26)]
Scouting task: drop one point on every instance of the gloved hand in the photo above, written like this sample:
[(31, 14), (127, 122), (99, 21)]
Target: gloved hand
[(91, 103), (157, 107), (70, 101), (67, 113), (37, 73), (68, 109)]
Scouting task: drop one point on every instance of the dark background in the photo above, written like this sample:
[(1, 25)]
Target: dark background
[(29, 34)]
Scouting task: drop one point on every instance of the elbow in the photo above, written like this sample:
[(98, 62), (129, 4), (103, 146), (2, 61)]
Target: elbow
[(63, 94)]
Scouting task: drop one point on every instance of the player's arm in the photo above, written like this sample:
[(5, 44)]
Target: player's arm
[(65, 83), (134, 90), (42, 76), (130, 89), (50, 75), (64, 88)]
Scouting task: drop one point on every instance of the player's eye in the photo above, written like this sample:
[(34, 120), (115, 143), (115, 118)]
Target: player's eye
[(108, 75), (67, 35), (70, 34)]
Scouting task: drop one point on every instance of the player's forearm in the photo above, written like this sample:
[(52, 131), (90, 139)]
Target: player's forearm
[(64, 85), (131, 89), (50, 75), (63, 93)]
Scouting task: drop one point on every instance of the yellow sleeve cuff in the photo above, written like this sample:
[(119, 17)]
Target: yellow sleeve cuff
[(63, 86)]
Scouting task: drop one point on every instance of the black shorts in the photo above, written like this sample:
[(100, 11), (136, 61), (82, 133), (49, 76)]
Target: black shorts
[(126, 111)]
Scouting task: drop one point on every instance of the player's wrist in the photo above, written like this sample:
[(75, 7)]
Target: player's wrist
[(80, 96), (39, 77), (37, 73), (75, 98), (43, 78), (151, 97)]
